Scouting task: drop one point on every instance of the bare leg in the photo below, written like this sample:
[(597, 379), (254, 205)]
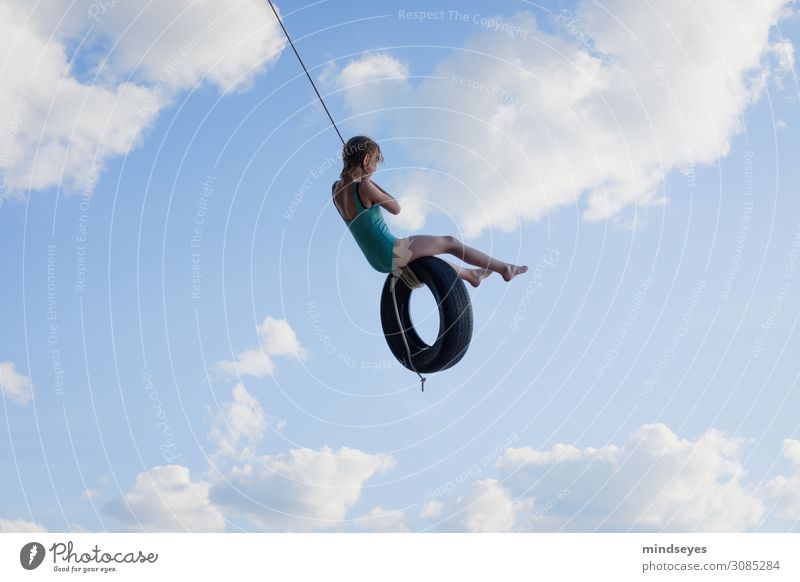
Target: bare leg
[(423, 245)]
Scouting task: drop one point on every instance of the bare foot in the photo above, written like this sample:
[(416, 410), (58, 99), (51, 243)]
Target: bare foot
[(475, 276), (512, 271)]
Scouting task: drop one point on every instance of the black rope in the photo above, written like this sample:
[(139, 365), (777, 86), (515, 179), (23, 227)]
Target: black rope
[(321, 100)]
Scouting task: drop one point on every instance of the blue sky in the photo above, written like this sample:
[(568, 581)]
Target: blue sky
[(640, 377)]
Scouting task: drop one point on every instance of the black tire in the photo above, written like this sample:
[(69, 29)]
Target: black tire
[(455, 317)]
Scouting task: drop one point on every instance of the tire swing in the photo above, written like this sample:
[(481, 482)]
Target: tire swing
[(455, 316), (455, 309)]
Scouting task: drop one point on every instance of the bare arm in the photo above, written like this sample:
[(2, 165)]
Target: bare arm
[(378, 195)]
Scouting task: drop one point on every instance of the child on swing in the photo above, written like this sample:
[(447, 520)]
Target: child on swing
[(359, 200)]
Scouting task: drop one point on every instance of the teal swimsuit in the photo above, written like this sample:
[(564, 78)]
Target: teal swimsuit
[(371, 234)]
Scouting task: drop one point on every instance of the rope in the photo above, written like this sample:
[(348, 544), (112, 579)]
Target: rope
[(400, 324), (325, 107), (306, 70)]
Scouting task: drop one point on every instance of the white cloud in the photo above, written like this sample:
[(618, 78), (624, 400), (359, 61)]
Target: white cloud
[(251, 362), (654, 482), (381, 520), (487, 508), (432, 509), (369, 80), (371, 68), (782, 63), (20, 526), (167, 499), (791, 450), (785, 490), (13, 385), (600, 110), (277, 339), (413, 201), (180, 43), (239, 425), (300, 490), (65, 116)]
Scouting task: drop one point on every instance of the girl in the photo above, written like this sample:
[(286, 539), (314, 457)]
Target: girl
[(359, 200)]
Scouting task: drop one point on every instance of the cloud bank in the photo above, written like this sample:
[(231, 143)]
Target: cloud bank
[(301, 489), (81, 82), (593, 108)]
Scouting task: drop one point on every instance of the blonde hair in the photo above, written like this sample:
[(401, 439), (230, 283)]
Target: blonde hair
[(353, 154)]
